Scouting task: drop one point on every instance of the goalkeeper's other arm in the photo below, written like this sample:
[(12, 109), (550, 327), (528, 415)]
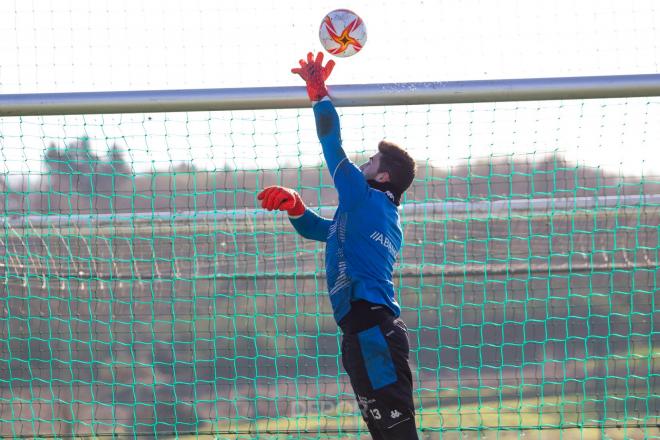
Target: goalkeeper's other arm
[(283, 199), (306, 222)]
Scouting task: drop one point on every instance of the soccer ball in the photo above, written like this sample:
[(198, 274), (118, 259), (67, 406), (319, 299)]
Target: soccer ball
[(342, 33)]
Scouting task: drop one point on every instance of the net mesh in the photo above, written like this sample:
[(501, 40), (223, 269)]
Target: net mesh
[(144, 292)]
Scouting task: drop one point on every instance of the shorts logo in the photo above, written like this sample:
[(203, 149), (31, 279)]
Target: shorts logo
[(395, 414), (364, 402)]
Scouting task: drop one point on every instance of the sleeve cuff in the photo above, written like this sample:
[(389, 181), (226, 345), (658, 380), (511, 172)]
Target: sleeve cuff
[(325, 98)]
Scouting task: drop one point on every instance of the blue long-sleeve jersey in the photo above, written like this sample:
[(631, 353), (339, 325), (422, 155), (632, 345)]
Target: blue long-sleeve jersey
[(364, 236)]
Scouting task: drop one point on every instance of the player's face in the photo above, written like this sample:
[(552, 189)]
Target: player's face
[(370, 168)]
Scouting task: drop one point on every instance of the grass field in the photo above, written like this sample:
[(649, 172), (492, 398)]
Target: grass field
[(490, 414), (485, 422)]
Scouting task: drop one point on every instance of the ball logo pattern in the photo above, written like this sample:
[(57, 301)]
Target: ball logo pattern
[(342, 33)]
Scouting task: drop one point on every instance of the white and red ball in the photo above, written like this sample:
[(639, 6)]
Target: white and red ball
[(342, 33)]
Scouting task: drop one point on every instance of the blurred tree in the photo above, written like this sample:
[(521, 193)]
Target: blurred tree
[(9, 200), (77, 168)]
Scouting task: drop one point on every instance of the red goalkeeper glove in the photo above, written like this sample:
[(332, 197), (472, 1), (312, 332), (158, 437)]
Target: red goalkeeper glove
[(314, 74), (284, 199)]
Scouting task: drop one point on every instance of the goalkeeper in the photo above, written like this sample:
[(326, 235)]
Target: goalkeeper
[(362, 242)]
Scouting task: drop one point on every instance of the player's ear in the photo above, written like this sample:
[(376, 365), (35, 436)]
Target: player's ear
[(383, 177)]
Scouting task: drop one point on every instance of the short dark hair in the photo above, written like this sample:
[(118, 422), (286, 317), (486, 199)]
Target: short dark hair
[(398, 164)]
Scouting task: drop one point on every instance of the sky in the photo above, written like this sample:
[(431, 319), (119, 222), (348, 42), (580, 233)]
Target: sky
[(103, 45)]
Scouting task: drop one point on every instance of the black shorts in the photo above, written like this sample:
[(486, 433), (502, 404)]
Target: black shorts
[(376, 360)]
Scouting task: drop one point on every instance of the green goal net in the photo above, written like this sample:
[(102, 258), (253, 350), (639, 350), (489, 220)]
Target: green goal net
[(144, 293)]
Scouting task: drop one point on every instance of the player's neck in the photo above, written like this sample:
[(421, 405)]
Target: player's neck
[(387, 188)]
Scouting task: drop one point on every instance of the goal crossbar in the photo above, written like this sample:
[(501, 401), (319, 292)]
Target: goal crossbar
[(361, 95)]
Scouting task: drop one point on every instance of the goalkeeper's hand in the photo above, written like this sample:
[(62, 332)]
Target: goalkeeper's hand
[(314, 74), (284, 199)]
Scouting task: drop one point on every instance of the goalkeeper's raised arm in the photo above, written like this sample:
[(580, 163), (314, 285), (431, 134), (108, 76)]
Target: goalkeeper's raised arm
[(348, 178)]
